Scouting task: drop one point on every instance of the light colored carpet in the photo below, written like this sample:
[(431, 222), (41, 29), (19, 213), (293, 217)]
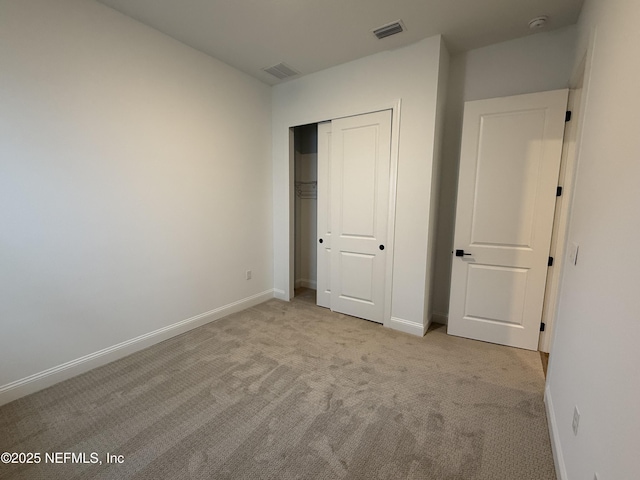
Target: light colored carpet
[(293, 391)]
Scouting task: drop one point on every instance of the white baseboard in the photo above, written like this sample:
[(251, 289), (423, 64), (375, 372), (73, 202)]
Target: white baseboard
[(306, 283), (281, 294), (556, 446), (406, 326), (38, 381), (441, 318)]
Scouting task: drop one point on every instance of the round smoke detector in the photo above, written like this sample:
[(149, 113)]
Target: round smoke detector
[(538, 23)]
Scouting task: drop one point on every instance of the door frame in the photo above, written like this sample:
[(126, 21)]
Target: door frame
[(569, 167), (395, 107)]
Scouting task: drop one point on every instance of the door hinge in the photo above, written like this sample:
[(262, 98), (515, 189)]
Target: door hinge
[(558, 191), (567, 116), (550, 263), (542, 327)]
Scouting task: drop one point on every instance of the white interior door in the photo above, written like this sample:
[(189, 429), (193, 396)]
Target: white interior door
[(509, 163), (354, 161), (323, 292)]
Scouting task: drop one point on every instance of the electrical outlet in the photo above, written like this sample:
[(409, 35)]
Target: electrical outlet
[(248, 275), (576, 420), (573, 253)]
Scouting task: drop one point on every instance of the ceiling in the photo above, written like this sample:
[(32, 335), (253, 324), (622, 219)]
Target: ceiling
[(313, 35)]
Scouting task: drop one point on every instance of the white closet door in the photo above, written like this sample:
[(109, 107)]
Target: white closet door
[(360, 187)]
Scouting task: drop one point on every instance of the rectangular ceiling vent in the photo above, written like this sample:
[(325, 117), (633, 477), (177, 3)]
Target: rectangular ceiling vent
[(281, 71), (389, 29)]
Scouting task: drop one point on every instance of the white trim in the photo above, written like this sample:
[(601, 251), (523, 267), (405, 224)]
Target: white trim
[(391, 220), (46, 378), (340, 113), (292, 214), (580, 80), (441, 318), (280, 294), (559, 235), (406, 326), (556, 446)]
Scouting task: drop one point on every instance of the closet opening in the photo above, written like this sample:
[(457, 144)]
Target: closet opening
[(305, 139)]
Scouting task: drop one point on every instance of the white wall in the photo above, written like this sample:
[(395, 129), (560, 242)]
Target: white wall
[(306, 170), (531, 64), (378, 81), (135, 184), (595, 358)]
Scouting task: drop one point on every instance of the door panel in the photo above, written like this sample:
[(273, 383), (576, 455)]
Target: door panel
[(504, 206), (360, 189), (496, 294), (358, 208), (509, 165), (323, 281), (358, 280)]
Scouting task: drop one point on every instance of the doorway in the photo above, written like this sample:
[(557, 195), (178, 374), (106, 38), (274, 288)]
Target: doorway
[(354, 174), (559, 248), (305, 140), (299, 236)]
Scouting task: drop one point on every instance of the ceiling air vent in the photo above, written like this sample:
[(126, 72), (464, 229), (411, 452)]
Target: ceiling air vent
[(281, 71), (389, 29)]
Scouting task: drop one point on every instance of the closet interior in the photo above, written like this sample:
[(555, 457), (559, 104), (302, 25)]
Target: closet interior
[(306, 209)]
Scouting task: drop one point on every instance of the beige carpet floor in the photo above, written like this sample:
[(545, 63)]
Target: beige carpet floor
[(293, 391)]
